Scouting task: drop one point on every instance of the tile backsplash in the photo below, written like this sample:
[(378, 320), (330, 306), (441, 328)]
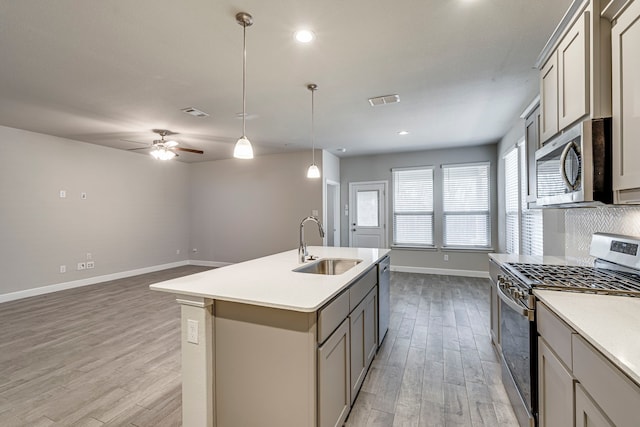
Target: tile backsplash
[(580, 224)]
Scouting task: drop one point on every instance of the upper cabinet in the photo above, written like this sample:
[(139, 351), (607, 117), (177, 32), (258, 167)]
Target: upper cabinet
[(625, 40), (575, 70)]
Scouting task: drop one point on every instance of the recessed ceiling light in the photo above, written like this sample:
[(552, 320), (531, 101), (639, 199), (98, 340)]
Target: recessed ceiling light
[(304, 36), (403, 132), (341, 150)]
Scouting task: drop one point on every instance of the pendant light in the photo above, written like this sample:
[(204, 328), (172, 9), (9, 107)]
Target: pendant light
[(313, 171), (243, 149)]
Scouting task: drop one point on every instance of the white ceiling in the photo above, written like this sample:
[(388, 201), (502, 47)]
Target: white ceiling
[(104, 71)]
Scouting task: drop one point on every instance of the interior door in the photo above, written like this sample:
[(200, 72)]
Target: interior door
[(367, 219)]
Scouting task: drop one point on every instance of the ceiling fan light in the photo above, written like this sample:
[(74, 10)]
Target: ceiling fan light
[(313, 171), (243, 149), (162, 154), (171, 143)]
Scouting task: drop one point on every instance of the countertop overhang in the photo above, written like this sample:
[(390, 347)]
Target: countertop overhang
[(271, 282)]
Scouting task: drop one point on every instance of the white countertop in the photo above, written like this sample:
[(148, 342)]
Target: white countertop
[(270, 281), (609, 323)]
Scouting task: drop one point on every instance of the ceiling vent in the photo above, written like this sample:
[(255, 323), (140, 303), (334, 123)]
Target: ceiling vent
[(384, 100), (194, 112)]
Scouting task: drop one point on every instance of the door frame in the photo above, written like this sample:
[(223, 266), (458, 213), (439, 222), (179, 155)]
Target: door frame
[(385, 210), (336, 211)]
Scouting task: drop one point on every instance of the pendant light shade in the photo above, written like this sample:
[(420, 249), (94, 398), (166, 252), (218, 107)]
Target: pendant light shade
[(243, 149), (313, 171)]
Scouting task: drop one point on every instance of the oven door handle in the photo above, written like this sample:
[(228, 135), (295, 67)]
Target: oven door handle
[(523, 311)]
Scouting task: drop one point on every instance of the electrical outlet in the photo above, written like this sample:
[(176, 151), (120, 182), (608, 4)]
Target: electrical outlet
[(89, 256), (192, 331), (63, 269), (446, 257), (91, 264), (82, 265), (63, 194), (194, 250)]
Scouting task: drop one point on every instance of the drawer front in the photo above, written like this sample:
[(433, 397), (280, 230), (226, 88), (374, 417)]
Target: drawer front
[(332, 315), (613, 391), (361, 288), (556, 333)]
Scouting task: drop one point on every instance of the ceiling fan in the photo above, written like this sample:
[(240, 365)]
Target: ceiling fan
[(165, 150)]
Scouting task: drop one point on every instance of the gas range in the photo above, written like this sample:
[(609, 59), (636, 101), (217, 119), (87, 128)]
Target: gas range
[(616, 271)]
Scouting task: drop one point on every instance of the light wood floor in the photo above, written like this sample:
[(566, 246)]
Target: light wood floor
[(109, 355)]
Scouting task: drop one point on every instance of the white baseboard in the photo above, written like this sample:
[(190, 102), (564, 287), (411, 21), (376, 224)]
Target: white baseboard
[(209, 263), (99, 279), (440, 271)]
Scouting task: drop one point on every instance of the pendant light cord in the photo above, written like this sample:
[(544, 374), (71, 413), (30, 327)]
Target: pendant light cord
[(244, 76), (313, 146)]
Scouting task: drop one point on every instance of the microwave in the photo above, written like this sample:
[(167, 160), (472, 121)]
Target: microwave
[(574, 168)]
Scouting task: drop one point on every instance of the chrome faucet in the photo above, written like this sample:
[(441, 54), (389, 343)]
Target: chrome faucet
[(302, 248)]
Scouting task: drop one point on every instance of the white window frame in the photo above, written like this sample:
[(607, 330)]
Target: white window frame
[(430, 213), (486, 212), (514, 246)]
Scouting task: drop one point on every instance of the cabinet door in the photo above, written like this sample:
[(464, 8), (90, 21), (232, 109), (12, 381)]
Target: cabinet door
[(334, 397), (573, 73), (532, 143), (587, 413), (625, 40), (362, 326), (555, 389), (549, 98), (370, 329)]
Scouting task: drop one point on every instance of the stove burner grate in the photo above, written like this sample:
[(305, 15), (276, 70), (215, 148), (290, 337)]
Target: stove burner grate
[(580, 278)]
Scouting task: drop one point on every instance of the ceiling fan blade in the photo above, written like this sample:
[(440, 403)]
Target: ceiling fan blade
[(188, 150), (135, 149), (135, 142)]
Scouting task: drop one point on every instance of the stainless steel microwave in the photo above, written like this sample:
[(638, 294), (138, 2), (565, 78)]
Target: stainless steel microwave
[(574, 168)]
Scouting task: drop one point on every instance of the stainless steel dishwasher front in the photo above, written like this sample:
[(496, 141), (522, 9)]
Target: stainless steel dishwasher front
[(384, 308)]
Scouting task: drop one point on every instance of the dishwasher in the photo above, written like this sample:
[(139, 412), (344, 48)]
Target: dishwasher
[(384, 308)]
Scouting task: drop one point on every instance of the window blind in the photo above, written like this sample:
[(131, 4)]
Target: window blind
[(466, 216), (530, 219), (512, 202), (413, 207)]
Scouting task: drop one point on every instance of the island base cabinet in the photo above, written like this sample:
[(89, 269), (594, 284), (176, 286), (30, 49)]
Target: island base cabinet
[(334, 386), (362, 326), (587, 412)]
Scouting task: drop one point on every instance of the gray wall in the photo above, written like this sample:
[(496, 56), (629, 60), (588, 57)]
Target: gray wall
[(242, 210), (135, 214), (378, 168)]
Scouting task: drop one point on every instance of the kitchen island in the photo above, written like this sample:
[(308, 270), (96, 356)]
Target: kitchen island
[(265, 345)]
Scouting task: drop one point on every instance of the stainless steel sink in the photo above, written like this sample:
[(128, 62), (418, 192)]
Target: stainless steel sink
[(330, 266)]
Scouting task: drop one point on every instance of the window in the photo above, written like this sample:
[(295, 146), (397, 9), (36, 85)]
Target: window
[(530, 219), (511, 202), (413, 206), (523, 229), (465, 204)]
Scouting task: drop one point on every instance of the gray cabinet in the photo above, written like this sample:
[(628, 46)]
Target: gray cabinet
[(334, 386), (555, 385), (587, 412), (532, 143), (362, 326), (494, 270), (575, 69), (625, 39), (578, 385)]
